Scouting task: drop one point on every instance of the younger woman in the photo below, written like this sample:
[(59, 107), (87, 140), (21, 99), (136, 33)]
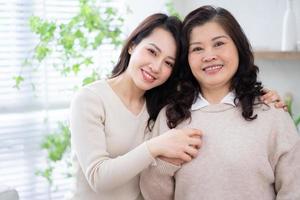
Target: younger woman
[(109, 117)]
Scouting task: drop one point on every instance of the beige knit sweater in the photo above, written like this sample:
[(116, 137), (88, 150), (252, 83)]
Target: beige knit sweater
[(239, 159), (107, 143)]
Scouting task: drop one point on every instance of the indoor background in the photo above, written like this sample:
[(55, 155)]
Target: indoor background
[(40, 105)]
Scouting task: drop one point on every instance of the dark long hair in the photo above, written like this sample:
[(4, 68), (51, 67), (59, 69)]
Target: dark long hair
[(156, 98), (244, 82)]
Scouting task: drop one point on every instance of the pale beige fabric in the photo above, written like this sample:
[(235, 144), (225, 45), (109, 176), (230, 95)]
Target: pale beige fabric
[(107, 144), (239, 159)]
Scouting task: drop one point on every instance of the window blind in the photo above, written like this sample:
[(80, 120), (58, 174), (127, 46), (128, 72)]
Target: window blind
[(26, 115)]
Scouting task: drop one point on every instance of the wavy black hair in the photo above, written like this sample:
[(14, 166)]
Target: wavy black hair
[(244, 82), (156, 98)]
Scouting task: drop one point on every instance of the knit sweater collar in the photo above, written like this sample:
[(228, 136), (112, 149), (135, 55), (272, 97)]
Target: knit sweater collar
[(216, 108)]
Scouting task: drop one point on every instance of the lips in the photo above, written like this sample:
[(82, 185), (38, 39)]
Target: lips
[(213, 69), (147, 76)]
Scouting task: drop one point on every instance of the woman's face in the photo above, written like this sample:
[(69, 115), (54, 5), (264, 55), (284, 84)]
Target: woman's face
[(152, 60), (213, 56)]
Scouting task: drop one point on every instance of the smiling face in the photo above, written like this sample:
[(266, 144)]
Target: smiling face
[(152, 59), (213, 56)]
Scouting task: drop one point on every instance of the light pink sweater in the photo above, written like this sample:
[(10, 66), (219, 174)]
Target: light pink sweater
[(239, 159)]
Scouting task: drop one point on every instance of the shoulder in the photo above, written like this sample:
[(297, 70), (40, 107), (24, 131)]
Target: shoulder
[(90, 94), (162, 113), (281, 123), (270, 113), (99, 88), (160, 125), (277, 118), (87, 104), (283, 137), (162, 119), (96, 89)]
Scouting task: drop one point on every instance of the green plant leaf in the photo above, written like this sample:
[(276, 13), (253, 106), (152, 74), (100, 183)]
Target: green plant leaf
[(57, 143), (18, 81), (171, 9), (68, 41), (288, 102), (88, 61), (88, 80), (297, 120), (66, 70), (76, 68), (83, 42), (110, 11), (41, 51), (98, 40), (44, 29), (79, 34), (35, 23), (46, 173)]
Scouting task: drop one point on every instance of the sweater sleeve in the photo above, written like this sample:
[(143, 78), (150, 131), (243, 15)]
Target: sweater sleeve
[(89, 145), (286, 158), (158, 180), (287, 174)]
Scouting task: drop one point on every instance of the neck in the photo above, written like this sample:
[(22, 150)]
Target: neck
[(126, 89), (214, 95)]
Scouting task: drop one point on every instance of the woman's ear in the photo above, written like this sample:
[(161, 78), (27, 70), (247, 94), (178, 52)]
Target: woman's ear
[(130, 49)]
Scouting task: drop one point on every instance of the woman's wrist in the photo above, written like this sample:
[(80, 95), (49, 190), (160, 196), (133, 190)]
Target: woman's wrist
[(152, 146)]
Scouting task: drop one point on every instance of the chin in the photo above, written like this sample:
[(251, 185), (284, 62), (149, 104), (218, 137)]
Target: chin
[(145, 87), (149, 87)]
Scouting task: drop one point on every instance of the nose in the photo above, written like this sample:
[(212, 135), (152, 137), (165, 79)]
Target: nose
[(156, 66), (209, 56)]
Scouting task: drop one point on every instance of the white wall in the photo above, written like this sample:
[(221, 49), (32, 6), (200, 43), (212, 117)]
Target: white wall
[(282, 76), (262, 22), (140, 10)]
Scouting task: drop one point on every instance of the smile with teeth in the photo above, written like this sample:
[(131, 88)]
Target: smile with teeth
[(213, 68), (147, 76)]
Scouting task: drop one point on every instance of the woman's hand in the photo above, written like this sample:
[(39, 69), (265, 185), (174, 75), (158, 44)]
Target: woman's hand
[(272, 96), (176, 143), (174, 161)]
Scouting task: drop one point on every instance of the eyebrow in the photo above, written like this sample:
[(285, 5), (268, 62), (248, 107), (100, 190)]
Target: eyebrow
[(158, 49), (215, 38)]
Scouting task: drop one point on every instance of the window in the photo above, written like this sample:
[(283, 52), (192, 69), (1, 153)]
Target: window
[(27, 115)]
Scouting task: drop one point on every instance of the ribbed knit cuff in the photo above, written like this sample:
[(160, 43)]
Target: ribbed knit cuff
[(166, 168)]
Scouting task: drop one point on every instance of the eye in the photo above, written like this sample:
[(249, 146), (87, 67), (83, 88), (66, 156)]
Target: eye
[(219, 43), (196, 49), (170, 64), (152, 51)]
